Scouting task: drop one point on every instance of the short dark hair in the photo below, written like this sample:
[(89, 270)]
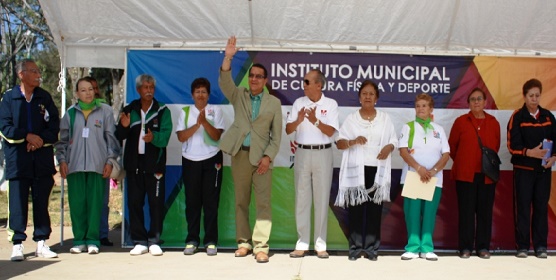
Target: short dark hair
[(258, 65), (86, 79), (199, 83), (369, 83), (90, 79), (474, 90), (533, 83)]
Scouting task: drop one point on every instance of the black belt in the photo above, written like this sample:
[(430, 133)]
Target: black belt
[(245, 148), (314, 147)]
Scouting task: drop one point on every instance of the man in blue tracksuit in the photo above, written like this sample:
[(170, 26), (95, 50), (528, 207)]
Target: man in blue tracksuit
[(29, 126)]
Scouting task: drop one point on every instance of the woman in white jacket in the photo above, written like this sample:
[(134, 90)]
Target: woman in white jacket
[(367, 138)]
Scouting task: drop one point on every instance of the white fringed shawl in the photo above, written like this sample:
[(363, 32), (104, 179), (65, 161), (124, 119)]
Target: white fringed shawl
[(352, 189)]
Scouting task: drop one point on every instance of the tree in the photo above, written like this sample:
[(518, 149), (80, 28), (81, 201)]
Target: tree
[(24, 33)]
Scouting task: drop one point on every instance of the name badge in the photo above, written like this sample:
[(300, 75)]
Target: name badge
[(85, 133)]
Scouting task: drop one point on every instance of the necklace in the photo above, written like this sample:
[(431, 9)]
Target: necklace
[(479, 123), (369, 117)]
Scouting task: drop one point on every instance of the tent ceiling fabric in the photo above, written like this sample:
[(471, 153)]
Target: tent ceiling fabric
[(97, 33)]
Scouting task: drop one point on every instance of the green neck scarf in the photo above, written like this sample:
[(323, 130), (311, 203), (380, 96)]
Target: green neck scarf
[(89, 106), (425, 123)]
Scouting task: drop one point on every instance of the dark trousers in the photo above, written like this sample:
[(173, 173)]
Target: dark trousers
[(153, 185), (105, 211), (18, 201), (364, 222), (202, 181), (531, 192), (475, 202)]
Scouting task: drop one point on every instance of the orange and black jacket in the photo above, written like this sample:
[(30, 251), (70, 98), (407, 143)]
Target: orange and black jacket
[(526, 132)]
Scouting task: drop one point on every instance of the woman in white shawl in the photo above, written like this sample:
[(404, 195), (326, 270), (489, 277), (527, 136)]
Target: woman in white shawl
[(367, 138)]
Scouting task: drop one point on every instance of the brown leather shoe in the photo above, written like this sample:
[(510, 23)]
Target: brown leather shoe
[(465, 254), (297, 254), (261, 257), (322, 254), (242, 252), (484, 255)]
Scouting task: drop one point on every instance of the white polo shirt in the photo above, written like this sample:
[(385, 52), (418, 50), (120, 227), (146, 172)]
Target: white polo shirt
[(195, 148), (427, 148), (327, 112)]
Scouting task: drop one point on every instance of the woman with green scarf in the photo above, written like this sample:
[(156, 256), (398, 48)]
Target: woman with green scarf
[(425, 150), (87, 144)]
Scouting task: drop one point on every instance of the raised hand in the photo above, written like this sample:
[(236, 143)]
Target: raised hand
[(231, 48)]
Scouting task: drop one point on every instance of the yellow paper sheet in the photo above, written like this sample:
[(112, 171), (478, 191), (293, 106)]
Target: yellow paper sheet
[(414, 188)]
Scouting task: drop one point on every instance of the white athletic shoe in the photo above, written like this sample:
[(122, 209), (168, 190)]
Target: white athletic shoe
[(430, 256), (155, 250), (44, 251), (78, 249), (409, 256), (139, 250), (92, 249), (17, 253)]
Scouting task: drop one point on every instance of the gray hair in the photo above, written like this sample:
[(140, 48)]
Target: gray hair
[(20, 65), (144, 78), (321, 79)]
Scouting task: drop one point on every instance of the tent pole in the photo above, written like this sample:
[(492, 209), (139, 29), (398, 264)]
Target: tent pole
[(62, 85), (251, 20)]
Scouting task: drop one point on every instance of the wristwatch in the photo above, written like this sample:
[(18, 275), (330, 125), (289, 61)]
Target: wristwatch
[(317, 123)]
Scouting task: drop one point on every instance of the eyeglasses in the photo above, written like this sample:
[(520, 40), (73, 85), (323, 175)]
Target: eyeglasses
[(477, 99), (200, 92), (256, 76), (306, 82), (34, 70)]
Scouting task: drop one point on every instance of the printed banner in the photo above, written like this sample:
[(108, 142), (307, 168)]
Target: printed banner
[(448, 79)]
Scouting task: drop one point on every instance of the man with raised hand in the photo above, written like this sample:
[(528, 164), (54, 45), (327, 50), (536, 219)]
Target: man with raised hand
[(253, 141)]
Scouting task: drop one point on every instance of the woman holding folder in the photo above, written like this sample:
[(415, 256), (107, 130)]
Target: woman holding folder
[(528, 128), (475, 190), (425, 150), (367, 139)]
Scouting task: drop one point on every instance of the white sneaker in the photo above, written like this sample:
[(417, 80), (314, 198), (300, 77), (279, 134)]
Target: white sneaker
[(139, 250), (17, 253), (155, 250), (430, 256), (92, 249), (409, 256), (44, 251), (78, 249)]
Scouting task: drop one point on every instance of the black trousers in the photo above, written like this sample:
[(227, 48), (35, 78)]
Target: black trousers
[(364, 222), (475, 202), (18, 201), (531, 192), (152, 185), (202, 181)]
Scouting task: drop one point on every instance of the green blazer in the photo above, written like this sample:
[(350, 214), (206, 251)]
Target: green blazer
[(266, 129)]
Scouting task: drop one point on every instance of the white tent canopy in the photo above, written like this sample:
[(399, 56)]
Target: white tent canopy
[(97, 33)]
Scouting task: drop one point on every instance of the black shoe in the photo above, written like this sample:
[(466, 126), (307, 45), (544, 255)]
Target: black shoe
[(541, 254), (372, 257), (352, 258), (106, 242), (521, 254)]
